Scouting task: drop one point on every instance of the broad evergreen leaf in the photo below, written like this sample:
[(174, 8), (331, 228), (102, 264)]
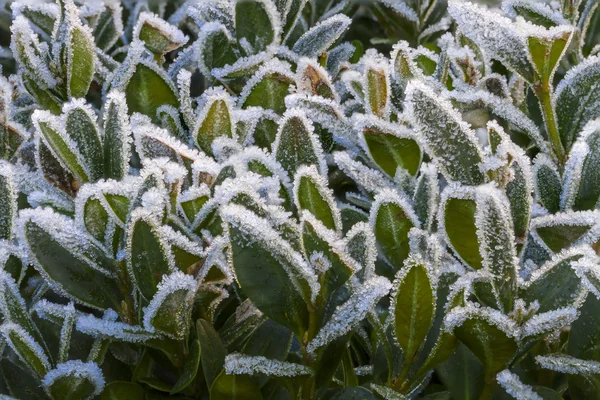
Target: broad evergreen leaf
[(447, 136), (390, 146), (580, 190), (117, 136), (8, 201), (311, 194), (75, 264), (320, 37), (257, 25), (170, 309), (296, 144), (215, 47), (158, 36), (74, 379), (239, 387), (392, 218), (26, 348), (574, 105), (291, 283), (548, 183), (268, 87), (213, 351), (215, 120), (413, 302)]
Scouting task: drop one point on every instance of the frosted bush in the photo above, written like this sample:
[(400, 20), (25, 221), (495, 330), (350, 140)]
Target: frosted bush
[(299, 199)]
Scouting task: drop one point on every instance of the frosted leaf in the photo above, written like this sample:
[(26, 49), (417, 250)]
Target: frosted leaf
[(558, 231), (213, 10), (297, 144), (238, 364), (514, 387), (458, 315), (426, 196), (117, 136), (108, 329), (327, 113), (167, 310), (26, 347), (346, 316), (568, 365), (271, 67), (259, 230), (384, 391), (321, 36), (494, 33), (242, 66), (8, 200), (52, 131), (306, 200), (313, 79), (402, 8), (544, 14), (368, 179), (30, 53), (153, 142), (387, 196), (339, 55), (548, 322), (448, 138), (376, 85), (502, 108), (215, 119), (158, 34), (575, 106), (361, 246), (89, 371)]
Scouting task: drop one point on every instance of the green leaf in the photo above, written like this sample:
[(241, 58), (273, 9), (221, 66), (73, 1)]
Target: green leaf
[(547, 49), (190, 368), (461, 228), (462, 374), (117, 136), (354, 393), (296, 143), (268, 270), (583, 345), (539, 14), (63, 148), (392, 218), (448, 138), (490, 344), (414, 308), (214, 121), (426, 196), (215, 46), (256, 25), (321, 36), (234, 387), (148, 256), (170, 310), (148, 89), (565, 230), (323, 254), (83, 271), (8, 201), (582, 189), (109, 27), (95, 219), (494, 34), (80, 60), (548, 184), (121, 390), (212, 349), (312, 194), (74, 380), (555, 284), (158, 35), (26, 348), (268, 87), (392, 148), (81, 127)]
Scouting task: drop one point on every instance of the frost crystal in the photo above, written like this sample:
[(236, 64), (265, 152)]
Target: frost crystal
[(568, 364), (513, 386), (237, 364), (346, 316), (77, 369)]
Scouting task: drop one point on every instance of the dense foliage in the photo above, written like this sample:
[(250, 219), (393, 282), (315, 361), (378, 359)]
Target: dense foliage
[(299, 199)]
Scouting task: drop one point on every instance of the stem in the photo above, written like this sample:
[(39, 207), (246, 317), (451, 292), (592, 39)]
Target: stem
[(543, 91), (488, 388)]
